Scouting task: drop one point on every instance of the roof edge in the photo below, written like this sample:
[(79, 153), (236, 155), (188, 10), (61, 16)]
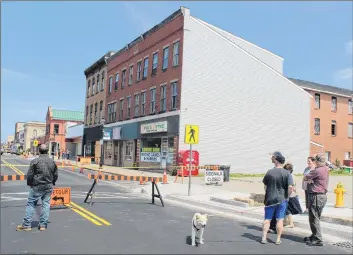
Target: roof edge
[(100, 62)]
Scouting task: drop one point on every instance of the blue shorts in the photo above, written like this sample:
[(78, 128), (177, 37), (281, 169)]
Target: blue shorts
[(279, 210)]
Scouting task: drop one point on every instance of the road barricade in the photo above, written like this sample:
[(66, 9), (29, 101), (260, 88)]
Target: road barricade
[(15, 177)]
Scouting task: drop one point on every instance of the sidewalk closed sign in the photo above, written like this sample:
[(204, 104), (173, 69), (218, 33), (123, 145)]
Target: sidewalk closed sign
[(213, 177)]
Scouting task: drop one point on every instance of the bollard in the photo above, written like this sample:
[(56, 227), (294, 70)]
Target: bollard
[(339, 191)]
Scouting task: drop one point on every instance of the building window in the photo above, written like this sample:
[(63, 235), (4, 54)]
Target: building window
[(90, 114), (123, 77), (121, 115), (103, 84), (89, 88), (111, 112), (137, 105), (110, 85), (153, 101), (165, 58), (98, 84), (145, 68), (93, 86), (350, 106), (350, 130), (100, 111), (347, 155), (143, 103), (328, 155), (317, 126), (176, 54), (155, 63), (95, 113), (131, 72), (139, 67), (334, 104), (174, 95), (128, 101), (129, 148), (116, 84), (317, 101), (86, 115), (163, 98), (333, 128), (56, 129)]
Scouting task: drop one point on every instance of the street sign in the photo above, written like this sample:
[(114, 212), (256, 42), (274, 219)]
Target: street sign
[(60, 196), (35, 143), (214, 177), (191, 134)]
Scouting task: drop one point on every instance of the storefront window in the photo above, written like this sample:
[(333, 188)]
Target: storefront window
[(108, 150), (129, 150), (151, 142), (170, 150)]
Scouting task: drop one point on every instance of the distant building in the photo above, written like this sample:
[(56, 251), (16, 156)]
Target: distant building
[(32, 129), (331, 121), (74, 140), (19, 135)]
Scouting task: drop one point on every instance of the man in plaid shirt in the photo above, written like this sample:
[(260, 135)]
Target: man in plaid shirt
[(42, 175)]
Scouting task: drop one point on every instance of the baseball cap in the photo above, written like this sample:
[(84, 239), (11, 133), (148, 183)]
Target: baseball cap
[(278, 156)]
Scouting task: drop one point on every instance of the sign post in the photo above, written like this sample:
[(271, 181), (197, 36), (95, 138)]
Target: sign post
[(191, 137)]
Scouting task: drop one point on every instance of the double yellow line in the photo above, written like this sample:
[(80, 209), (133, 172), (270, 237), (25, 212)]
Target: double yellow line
[(18, 171), (87, 214)]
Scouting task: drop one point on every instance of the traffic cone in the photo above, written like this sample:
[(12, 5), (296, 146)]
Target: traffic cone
[(142, 182), (165, 178)]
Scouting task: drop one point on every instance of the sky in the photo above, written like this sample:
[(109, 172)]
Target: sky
[(46, 46)]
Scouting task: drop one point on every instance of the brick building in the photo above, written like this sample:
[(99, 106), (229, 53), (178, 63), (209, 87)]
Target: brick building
[(186, 71), (331, 123), (95, 105)]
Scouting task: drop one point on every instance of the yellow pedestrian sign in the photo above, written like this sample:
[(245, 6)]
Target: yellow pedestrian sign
[(191, 134), (35, 143)]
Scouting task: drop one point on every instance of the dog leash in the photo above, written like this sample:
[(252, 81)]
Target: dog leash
[(266, 206)]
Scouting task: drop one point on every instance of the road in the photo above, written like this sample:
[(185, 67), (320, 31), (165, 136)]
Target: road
[(127, 223)]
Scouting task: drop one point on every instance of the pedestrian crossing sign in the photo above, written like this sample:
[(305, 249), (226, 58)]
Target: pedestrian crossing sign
[(191, 135), (35, 143)]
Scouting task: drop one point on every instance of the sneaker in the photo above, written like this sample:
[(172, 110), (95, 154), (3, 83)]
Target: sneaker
[(307, 239), (42, 228), (315, 243), (22, 228), (264, 241)]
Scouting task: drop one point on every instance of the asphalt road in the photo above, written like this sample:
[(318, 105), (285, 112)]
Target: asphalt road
[(128, 224)]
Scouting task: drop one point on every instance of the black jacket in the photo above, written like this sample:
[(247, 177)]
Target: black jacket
[(42, 172)]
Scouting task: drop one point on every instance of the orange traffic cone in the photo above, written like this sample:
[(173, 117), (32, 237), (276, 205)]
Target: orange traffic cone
[(165, 178), (142, 181)]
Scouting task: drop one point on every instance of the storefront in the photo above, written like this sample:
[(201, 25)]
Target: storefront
[(90, 142), (158, 142)]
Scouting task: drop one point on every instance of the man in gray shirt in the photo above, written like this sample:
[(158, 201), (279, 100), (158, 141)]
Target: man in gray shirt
[(42, 175)]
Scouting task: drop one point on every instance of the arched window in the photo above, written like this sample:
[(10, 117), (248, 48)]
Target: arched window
[(88, 88)]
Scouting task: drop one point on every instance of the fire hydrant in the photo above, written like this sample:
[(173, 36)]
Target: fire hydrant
[(339, 191)]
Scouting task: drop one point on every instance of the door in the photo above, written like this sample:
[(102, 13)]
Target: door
[(121, 154), (116, 153)]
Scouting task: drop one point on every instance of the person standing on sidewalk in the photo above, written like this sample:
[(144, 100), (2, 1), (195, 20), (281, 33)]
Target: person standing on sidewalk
[(311, 166), (317, 188), (278, 185), (42, 175)]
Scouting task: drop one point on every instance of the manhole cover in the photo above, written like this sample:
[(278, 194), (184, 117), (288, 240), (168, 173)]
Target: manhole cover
[(347, 245)]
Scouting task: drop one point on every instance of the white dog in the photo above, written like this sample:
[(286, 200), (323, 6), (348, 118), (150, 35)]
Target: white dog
[(199, 222)]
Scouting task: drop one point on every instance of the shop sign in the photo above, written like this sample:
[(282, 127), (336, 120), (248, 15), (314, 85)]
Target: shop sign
[(156, 127), (154, 149), (117, 133), (153, 157), (107, 134)]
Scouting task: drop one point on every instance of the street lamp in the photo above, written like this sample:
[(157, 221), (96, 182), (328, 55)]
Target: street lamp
[(102, 127)]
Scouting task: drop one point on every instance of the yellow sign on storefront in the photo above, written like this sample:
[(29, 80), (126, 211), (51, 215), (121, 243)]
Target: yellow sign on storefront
[(191, 134)]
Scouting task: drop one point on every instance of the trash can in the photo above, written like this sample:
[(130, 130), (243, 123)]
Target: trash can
[(226, 170)]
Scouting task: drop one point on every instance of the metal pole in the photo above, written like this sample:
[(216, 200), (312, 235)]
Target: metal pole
[(190, 156)]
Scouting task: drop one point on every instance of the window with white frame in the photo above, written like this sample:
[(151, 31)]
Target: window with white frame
[(153, 101), (317, 101), (347, 155), (145, 68), (163, 98), (129, 148), (90, 114), (93, 86), (137, 105), (350, 130), (350, 106), (111, 112), (143, 103), (128, 101), (121, 115), (334, 104), (154, 63), (100, 111), (110, 84), (176, 54), (174, 90), (95, 113), (333, 128), (165, 58), (123, 78), (98, 84), (139, 69), (317, 126), (89, 88), (116, 84), (103, 84), (131, 72)]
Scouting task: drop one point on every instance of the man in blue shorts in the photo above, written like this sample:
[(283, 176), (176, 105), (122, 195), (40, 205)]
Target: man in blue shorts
[(278, 185)]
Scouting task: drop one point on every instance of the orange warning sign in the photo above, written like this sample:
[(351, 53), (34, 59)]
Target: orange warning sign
[(60, 196)]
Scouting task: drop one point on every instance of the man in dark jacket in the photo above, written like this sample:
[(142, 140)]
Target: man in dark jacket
[(42, 175)]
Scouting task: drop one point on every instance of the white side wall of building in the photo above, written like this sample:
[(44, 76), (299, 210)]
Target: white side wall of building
[(244, 109), (272, 60)]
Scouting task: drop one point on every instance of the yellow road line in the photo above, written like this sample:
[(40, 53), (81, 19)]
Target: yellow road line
[(91, 214), (13, 168), (84, 215)]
